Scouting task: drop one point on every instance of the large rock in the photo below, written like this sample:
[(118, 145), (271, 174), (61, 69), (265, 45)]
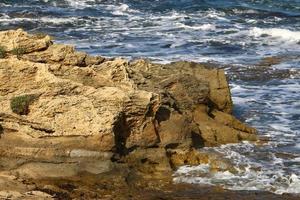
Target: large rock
[(90, 113), (11, 40)]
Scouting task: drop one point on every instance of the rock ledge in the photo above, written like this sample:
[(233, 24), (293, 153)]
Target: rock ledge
[(93, 115)]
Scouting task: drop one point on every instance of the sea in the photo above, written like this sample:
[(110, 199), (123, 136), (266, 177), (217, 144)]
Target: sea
[(257, 43)]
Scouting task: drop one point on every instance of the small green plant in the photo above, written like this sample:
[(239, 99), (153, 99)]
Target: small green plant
[(2, 52), (18, 51), (1, 129), (20, 104), (40, 35)]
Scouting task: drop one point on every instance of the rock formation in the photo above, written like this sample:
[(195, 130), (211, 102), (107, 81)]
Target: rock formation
[(94, 115)]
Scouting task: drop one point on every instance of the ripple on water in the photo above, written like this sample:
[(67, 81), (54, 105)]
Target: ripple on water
[(234, 34)]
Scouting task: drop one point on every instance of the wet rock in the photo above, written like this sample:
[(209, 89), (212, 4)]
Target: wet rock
[(196, 192), (266, 69), (261, 73), (193, 157), (13, 188), (39, 170), (180, 157), (231, 121), (149, 161), (220, 128), (278, 59), (269, 61)]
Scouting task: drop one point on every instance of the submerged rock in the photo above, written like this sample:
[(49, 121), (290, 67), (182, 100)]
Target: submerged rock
[(93, 115)]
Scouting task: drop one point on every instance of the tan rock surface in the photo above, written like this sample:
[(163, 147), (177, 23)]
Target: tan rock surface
[(20, 39), (90, 114)]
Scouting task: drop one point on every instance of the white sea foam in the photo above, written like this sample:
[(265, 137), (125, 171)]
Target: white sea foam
[(188, 169), (187, 36), (251, 21), (250, 175), (296, 159), (80, 4), (52, 20), (204, 27), (121, 9), (116, 9), (293, 183), (4, 5), (280, 127), (214, 14), (276, 33), (249, 11), (169, 16)]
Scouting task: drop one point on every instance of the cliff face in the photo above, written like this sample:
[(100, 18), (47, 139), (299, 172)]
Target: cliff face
[(64, 112)]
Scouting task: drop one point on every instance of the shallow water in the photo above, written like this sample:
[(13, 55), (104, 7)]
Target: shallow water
[(236, 34)]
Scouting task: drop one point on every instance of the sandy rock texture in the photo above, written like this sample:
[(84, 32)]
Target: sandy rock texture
[(93, 115)]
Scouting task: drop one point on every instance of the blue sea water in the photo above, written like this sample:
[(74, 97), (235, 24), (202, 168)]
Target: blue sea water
[(236, 34)]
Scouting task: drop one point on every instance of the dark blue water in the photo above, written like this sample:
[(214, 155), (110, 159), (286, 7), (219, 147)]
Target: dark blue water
[(164, 30), (235, 34)]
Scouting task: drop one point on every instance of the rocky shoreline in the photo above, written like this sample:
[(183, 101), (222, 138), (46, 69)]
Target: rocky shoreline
[(75, 126)]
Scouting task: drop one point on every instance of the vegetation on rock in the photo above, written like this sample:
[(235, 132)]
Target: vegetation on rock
[(2, 52), (119, 122), (1, 129), (18, 51), (20, 104), (40, 35)]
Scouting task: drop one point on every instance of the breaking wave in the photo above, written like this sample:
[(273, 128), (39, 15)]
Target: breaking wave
[(235, 34), (250, 174), (277, 33)]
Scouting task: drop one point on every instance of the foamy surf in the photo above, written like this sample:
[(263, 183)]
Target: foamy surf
[(234, 34), (249, 174), (80, 4), (277, 33), (204, 27)]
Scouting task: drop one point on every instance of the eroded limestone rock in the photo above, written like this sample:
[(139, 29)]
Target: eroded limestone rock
[(92, 114)]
